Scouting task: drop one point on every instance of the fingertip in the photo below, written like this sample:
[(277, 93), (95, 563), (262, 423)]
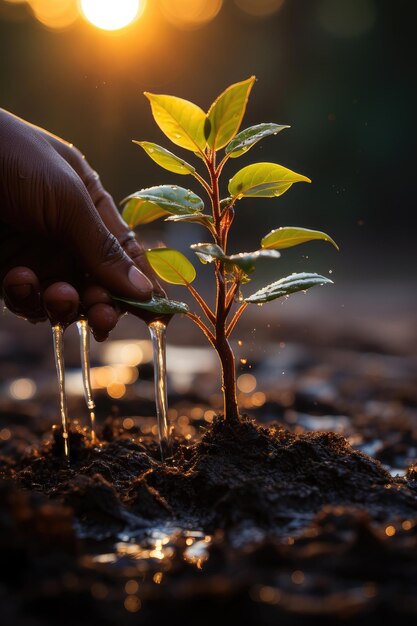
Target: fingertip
[(61, 301), (22, 295), (102, 318)]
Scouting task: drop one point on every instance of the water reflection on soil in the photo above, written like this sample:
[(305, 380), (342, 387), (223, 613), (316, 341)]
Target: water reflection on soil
[(160, 544)]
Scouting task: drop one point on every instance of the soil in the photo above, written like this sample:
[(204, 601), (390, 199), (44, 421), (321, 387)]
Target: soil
[(250, 524)]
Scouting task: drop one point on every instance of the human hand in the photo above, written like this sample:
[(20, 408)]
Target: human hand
[(58, 224)]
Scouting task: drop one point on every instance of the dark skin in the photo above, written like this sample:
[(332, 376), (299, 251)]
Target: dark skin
[(64, 247)]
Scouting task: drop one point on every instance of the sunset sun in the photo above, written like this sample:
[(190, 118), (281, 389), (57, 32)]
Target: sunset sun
[(112, 14)]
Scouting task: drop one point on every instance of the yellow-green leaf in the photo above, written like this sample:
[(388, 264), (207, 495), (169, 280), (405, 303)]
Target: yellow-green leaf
[(165, 158), (263, 180), (181, 121), (149, 204), (226, 113), (289, 236), (171, 265), (250, 136), (197, 218), (138, 211)]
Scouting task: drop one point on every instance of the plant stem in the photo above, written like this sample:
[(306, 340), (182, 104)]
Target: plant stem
[(205, 308), (235, 318), (203, 327), (221, 344)]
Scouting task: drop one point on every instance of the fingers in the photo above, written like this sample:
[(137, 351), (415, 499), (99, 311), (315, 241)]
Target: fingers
[(22, 294), (62, 303), (80, 227), (107, 209), (101, 312)]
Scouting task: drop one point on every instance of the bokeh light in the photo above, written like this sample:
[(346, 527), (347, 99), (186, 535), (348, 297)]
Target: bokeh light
[(190, 14), (55, 14), (260, 8), (112, 14), (346, 18), (22, 389), (246, 383)]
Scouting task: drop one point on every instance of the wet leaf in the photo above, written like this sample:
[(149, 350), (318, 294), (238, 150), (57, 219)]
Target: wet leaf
[(263, 180), (165, 158), (171, 265), (286, 286), (208, 252), (138, 211), (149, 204), (250, 136), (198, 218), (157, 304), (226, 113), (246, 261), (182, 121), (289, 236)]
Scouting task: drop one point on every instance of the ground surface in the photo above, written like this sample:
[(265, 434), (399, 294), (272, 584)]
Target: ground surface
[(275, 521)]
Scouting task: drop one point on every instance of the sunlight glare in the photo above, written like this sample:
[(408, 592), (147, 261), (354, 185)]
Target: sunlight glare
[(112, 14), (190, 14)]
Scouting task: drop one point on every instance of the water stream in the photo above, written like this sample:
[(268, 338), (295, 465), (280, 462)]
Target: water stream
[(58, 342), (84, 333), (157, 330)]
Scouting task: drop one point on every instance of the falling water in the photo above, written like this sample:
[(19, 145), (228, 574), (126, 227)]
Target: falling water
[(58, 339), (83, 331), (157, 330)]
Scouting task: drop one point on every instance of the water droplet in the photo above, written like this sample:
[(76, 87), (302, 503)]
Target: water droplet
[(157, 331), (83, 331)]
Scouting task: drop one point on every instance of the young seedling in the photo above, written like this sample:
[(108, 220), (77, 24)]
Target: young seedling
[(205, 134)]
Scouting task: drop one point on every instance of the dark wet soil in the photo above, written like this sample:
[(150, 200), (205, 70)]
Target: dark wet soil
[(287, 528)]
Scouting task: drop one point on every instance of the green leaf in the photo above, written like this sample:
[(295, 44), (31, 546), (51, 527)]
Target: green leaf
[(165, 158), (263, 180), (246, 261), (159, 305), (286, 286), (208, 252), (171, 265), (182, 121), (289, 236), (138, 211), (198, 218), (149, 204), (226, 113), (250, 136)]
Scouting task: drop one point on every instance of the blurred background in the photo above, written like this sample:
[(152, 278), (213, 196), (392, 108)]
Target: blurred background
[(338, 71)]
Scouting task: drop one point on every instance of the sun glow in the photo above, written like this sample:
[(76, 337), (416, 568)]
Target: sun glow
[(112, 14)]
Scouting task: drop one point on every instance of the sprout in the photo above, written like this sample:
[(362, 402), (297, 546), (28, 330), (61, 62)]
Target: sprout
[(205, 134)]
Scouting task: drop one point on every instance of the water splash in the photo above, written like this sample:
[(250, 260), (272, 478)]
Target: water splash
[(157, 331), (83, 331), (58, 342)]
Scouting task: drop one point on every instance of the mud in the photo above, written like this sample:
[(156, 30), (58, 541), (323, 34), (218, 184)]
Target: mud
[(292, 528)]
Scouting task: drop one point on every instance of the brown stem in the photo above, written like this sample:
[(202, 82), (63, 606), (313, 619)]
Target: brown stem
[(202, 182), (205, 308), (235, 319), (230, 296), (203, 327), (221, 343)]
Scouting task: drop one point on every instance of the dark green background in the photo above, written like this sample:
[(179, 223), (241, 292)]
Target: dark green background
[(350, 102)]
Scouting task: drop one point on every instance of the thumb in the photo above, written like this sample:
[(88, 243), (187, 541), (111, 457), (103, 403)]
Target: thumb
[(100, 254)]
